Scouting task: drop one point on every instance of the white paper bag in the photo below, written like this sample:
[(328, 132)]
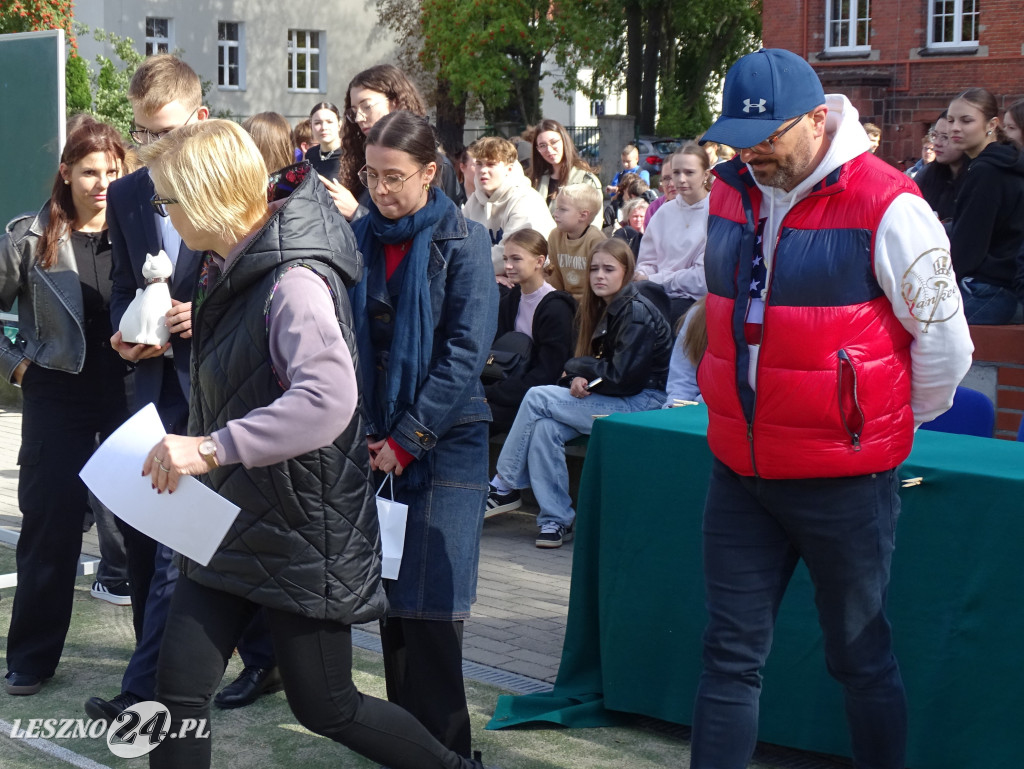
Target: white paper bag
[(392, 516)]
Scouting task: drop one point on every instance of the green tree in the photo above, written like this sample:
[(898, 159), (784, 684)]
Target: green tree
[(678, 53), (704, 40), (402, 17), (670, 55), (494, 50), (78, 97), (36, 15), (110, 81)]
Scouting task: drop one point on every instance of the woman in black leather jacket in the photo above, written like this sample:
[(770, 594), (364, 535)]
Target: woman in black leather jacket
[(621, 365), (56, 264)]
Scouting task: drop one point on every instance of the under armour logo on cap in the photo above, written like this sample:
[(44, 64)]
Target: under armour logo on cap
[(785, 85)]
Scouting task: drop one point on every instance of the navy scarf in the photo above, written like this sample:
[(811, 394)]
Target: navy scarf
[(412, 341)]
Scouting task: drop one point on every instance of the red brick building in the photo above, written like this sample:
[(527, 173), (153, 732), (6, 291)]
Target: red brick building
[(901, 61)]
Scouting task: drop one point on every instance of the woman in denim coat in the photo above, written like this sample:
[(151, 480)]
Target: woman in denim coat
[(425, 313), (56, 264)]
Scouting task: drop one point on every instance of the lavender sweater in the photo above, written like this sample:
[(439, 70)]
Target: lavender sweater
[(314, 365)]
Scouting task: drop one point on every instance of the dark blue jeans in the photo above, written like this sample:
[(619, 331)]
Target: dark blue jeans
[(986, 304), (755, 530)]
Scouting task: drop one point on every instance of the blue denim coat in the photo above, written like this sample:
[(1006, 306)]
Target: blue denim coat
[(446, 427)]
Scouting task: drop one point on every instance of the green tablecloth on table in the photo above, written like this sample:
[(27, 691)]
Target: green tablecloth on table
[(636, 609)]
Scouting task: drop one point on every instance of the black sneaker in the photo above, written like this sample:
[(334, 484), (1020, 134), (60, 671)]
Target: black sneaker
[(98, 708), (22, 684), (501, 503), (116, 594), (554, 535)]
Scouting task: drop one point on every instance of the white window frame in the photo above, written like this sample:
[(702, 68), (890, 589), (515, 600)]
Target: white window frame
[(958, 21), (310, 50), (224, 47), (852, 20), (153, 42)]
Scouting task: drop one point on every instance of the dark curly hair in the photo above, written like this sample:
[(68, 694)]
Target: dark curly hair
[(401, 94)]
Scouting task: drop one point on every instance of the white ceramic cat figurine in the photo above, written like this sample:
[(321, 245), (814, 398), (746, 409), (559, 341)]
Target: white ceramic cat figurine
[(144, 321)]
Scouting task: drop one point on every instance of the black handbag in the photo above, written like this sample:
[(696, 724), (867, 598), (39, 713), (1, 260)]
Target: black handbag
[(509, 358)]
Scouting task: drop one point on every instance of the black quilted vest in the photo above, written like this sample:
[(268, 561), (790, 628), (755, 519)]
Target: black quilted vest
[(306, 540)]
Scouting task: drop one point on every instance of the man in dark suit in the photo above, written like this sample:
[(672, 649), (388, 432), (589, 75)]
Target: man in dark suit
[(165, 94), (159, 378)]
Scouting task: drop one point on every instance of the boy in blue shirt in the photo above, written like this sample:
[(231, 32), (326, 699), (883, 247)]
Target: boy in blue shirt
[(630, 165)]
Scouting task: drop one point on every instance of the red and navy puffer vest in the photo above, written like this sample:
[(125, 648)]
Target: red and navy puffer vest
[(833, 370)]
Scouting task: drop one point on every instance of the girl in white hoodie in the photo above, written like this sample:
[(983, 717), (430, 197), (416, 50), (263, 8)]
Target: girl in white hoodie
[(672, 251)]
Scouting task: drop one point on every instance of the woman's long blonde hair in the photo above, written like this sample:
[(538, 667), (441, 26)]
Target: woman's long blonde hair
[(695, 340), (592, 307)]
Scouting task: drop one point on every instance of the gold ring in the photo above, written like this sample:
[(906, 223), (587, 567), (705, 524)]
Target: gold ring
[(160, 464)]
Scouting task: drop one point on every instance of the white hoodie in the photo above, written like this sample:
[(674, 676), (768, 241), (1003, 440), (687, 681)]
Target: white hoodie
[(911, 252), (672, 251), (515, 205)]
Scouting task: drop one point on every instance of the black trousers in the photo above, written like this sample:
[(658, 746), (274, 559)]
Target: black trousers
[(141, 552), (62, 415), (315, 660), (172, 407), (423, 670)]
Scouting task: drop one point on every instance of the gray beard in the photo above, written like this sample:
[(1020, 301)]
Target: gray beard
[(792, 171)]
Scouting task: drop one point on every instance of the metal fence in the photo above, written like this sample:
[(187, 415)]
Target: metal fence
[(584, 137)]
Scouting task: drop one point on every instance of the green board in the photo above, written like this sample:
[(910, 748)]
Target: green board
[(31, 118)]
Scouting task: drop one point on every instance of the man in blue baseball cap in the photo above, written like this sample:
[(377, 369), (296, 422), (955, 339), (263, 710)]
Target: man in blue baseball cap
[(834, 329)]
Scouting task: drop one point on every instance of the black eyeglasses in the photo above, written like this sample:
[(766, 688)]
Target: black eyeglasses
[(145, 136), (392, 182), (159, 204), (767, 147)]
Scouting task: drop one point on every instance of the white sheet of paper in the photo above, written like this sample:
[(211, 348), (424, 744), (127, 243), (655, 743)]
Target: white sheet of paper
[(192, 521)]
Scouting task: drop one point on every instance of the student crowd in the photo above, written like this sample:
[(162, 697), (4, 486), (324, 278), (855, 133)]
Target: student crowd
[(487, 300)]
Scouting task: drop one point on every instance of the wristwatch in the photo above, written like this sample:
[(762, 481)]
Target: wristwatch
[(208, 451)]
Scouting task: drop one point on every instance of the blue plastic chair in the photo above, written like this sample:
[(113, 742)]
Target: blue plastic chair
[(972, 413)]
